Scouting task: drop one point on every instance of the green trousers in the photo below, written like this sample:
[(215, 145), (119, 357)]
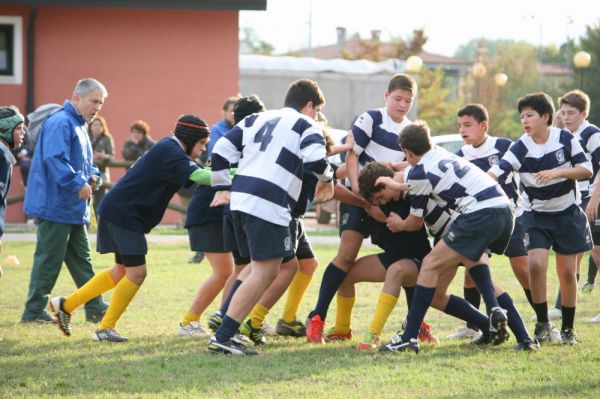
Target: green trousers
[(58, 243)]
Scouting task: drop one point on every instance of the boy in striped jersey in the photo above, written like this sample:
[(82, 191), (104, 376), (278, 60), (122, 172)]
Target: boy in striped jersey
[(375, 135), (484, 221), (272, 149), (574, 110), (484, 151), (549, 161)]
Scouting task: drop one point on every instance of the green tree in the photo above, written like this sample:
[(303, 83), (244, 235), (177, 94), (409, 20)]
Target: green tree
[(591, 83), (252, 44), (433, 104)]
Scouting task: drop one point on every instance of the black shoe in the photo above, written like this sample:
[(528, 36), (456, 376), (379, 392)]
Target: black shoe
[(255, 334), (568, 336), (95, 317), (215, 320), (396, 345), (63, 319), (109, 335), (42, 318), (528, 346), (483, 339), (545, 331), (197, 258), (231, 347), (498, 326)]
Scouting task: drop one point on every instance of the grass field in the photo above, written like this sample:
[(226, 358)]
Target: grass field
[(37, 361)]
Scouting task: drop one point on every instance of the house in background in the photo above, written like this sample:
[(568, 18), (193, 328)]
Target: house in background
[(158, 60)]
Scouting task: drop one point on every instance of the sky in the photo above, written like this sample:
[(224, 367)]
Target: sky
[(448, 24)]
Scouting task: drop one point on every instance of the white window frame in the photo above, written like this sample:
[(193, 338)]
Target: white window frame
[(17, 76)]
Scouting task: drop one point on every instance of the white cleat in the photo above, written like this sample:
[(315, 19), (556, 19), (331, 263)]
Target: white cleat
[(192, 330)]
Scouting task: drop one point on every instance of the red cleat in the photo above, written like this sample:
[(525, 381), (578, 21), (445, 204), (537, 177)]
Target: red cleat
[(425, 334), (332, 335), (314, 330)]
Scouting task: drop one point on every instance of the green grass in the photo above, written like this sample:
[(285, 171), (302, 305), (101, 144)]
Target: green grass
[(37, 361)]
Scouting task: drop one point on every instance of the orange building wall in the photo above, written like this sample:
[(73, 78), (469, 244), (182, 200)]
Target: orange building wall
[(156, 64)]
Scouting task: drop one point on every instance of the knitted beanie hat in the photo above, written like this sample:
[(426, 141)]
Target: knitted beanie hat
[(189, 129), (9, 119)]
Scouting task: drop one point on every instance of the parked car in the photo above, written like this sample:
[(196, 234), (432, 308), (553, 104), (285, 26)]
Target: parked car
[(451, 142)]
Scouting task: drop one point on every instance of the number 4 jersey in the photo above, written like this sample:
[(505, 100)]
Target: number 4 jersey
[(451, 181), (271, 149)]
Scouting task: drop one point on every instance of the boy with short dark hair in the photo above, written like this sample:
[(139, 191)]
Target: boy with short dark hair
[(574, 111), (484, 151), (549, 162), (272, 149), (484, 222), (375, 135)]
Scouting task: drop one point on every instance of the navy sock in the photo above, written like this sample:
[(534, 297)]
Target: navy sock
[(592, 271), (541, 311), (568, 317), (409, 292), (234, 287), (515, 322), (421, 302), (528, 295), (483, 279), (332, 279), (464, 310), (227, 329), (472, 296)]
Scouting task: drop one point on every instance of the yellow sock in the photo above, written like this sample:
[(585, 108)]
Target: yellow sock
[(258, 315), (122, 295), (343, 314), (97, 285), (188, 317), (296, 292), (385, 305)]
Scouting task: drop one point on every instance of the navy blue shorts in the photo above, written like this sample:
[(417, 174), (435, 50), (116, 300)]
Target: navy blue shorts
[(259, 239), (472, 233), (229, 243), (207, 237), (302, 247), (388, 259), (566, 233), (356, 219), (115, 239), (595, 226), (516, 245)]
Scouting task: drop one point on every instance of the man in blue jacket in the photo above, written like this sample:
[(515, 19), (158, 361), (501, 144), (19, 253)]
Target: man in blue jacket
[(61, 181)]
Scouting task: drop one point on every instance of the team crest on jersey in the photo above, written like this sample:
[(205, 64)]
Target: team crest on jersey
[(345, 218), (287, 243), (560, 156), (493, 160)]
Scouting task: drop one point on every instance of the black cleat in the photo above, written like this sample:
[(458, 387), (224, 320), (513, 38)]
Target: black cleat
[(231, 347)]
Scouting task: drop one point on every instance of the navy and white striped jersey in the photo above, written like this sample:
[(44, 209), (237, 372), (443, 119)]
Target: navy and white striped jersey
[(589, 138), (271, 149), (561, 150), (438, 219), (489, 154), (376, 137), (453, 182)]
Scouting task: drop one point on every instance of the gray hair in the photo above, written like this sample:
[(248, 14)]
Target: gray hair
[(88, 85)]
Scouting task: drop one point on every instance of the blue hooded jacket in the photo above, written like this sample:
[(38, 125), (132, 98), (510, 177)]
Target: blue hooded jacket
[(62, 163)]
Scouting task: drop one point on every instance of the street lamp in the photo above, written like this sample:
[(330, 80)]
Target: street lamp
[(500, 79), (478, 70), (414, 63), (582, 60)]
